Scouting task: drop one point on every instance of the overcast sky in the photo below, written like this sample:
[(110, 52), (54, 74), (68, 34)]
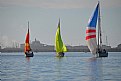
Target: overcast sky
[(43, 16)]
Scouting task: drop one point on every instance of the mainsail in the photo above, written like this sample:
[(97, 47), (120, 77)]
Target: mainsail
[(91, 31), (27, 45), (59, 45)]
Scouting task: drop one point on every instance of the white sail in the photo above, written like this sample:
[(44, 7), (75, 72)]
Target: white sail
[(91, 31)]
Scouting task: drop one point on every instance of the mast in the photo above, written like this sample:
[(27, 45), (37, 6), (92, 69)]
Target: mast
[(29, 37), (99, 29), (28, 24), (106, 41)]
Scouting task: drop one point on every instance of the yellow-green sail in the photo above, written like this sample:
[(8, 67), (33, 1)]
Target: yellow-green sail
[(59, 45)]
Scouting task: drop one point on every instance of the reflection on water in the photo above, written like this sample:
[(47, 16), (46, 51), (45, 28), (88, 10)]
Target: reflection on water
[(28, 59), (58, 67), (96, 70), (27, 69)]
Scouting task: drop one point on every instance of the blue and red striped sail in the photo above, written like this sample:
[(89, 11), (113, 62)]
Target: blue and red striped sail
[(91, 31)]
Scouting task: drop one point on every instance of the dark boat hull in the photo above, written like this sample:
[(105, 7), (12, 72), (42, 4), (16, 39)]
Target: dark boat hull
[(29, 54), (103, 54), (60, 54)]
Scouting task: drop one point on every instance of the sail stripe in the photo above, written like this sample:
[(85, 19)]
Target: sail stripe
[(93, 33), (91, 36), (93, 28), (90, 31)]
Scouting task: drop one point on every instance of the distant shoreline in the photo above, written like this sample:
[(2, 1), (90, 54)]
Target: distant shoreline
[(52, 50), (36, 46)]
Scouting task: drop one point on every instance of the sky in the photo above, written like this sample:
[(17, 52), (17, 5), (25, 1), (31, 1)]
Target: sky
[(44, 15)]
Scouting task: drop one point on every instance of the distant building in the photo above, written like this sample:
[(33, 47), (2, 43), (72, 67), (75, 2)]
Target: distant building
[(34, 45), (37, 46), (106, 47), (77, 48), (119, 46)]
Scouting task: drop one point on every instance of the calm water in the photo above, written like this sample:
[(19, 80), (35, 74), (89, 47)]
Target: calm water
[(73, 67)]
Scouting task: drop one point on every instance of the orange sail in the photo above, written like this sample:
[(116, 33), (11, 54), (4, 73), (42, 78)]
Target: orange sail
[(27, 45)]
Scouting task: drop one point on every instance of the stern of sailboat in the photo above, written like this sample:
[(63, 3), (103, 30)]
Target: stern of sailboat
[(60, 54), (29, 54), (102, 53)]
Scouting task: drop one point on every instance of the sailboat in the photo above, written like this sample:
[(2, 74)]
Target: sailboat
[(59, 45), (27, 49), (95, 46)]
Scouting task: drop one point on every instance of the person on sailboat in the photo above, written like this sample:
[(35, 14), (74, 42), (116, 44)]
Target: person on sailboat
[(104, 50), (29, 51)]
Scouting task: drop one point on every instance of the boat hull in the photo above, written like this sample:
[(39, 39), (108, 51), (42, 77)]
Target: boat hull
[(103, 54), (29, 54), (60, 54)]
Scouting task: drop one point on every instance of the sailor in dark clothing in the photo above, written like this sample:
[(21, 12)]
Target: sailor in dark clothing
[(104, 50)]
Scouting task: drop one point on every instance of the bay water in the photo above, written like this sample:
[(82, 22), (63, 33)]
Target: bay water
[(75, 66)]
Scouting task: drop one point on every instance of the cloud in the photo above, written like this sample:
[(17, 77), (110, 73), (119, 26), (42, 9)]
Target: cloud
[(58, 3)]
